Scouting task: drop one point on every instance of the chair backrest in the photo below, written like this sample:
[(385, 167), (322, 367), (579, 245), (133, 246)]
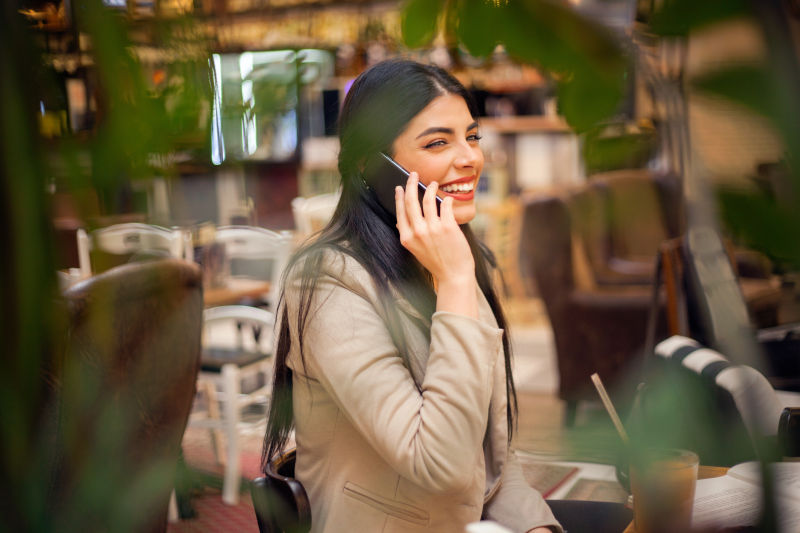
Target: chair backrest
[(125, 390), (111, 246), (704, 298), (224, 339), (280, 501), (699, 400), (258, 253), (620, 218), (753, 395), (546, 253)]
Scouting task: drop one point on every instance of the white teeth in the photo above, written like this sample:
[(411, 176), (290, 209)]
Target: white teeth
[(458, 187)]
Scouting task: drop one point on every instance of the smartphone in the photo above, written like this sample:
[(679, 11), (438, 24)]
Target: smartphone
[(383, 174)]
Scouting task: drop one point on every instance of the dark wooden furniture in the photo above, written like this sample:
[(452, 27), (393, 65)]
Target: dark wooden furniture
[(122, 394), (592, 253)]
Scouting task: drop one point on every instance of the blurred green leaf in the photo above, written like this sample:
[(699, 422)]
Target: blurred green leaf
[(585, 57), (603, 152), (754, 218), (555, 37), (589, 59), (585, 101), (679, 17), (479, 24), (748, 85), (761, 90), (757, 221), (419, 21)]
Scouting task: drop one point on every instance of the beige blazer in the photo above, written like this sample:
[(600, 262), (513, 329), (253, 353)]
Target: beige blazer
[(374, 453)]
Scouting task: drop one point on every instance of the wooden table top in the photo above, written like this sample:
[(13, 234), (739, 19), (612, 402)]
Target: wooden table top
[(705, 472), (234, 290)]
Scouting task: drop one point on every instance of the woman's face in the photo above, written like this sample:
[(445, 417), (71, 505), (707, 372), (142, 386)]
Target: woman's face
[(441, 144)]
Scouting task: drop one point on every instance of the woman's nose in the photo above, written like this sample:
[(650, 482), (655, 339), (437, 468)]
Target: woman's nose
[(468, 156)]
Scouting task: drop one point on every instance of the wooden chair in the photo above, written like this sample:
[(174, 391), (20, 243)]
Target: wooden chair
[(111, 246), (280, 501), (233, 375), (123, 392), (256, 253), (706, 297), (750, 300), (596, 328)]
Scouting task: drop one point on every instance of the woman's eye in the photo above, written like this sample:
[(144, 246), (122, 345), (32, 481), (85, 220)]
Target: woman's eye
[(474, 137), (435, 144)]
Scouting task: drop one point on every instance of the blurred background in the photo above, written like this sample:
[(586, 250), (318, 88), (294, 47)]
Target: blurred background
[(641, 181)]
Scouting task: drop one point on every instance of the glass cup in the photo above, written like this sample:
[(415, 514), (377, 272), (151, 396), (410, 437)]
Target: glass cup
[(663, 483)]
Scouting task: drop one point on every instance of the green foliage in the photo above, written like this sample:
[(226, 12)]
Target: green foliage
[(609, 147), (419, 21), (477, 26), (27, 283), (584, 57), (135, 123), (760, 222), (679, 17)]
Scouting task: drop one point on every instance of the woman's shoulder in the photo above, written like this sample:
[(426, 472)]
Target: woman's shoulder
[(334, 262)]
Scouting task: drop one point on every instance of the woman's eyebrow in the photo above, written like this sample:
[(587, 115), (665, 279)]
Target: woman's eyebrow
[(447, 131), (436, 129)]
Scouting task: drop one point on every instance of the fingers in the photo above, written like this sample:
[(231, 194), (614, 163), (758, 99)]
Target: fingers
[(429, 203), (447, 214), (400, 209), (413, 210)]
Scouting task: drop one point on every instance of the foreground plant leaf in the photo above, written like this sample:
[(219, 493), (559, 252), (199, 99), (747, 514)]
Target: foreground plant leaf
[(419, 21)]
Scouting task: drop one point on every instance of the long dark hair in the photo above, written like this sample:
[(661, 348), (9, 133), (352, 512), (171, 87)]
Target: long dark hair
[(378, 107)]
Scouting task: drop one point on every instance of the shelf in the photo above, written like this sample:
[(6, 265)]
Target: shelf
[(526, 124)]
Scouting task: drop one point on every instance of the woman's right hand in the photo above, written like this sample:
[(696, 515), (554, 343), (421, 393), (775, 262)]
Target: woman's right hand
[(439, 245)]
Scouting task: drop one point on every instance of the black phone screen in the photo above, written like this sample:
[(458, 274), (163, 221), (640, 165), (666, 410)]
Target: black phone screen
[(383, 174)]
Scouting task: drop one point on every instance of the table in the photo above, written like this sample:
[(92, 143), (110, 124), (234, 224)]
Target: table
[(234, 290), (704, 472)]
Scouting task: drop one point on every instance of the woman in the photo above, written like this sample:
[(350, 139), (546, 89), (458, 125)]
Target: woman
[(392, 361)]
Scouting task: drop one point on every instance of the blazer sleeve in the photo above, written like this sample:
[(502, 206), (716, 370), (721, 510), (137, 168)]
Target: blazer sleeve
[(516, 504), (430, 435)]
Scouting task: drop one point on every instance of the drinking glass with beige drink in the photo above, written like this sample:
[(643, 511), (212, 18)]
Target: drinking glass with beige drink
[(663, 483)]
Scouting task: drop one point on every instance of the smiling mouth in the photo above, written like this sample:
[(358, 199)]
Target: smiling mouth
[(459, 188)]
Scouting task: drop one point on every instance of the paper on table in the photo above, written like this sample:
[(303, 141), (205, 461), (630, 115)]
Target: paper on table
[(735, 499), (786, 475)]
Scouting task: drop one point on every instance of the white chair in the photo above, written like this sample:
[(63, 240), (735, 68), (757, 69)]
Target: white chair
[(257, 253), (740, 397), (756, 401), (231, 364), (313, 213), (132, 238)]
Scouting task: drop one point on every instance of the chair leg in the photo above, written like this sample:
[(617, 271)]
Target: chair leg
[(217, 440), (232, 480)]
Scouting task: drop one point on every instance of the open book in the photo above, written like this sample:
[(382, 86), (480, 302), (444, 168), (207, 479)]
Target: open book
[(734, 499)]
